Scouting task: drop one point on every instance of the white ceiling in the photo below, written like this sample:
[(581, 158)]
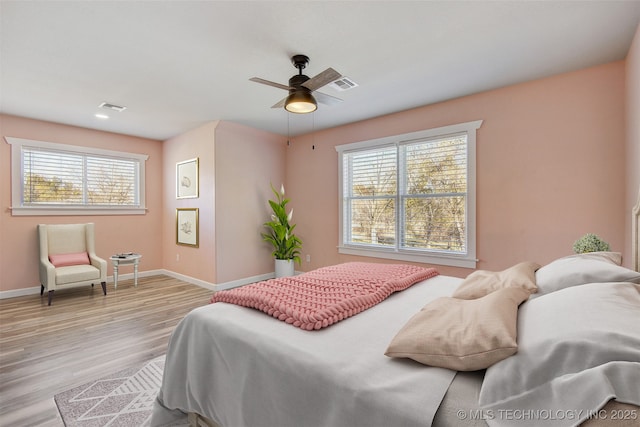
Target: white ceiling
[(178, 64)]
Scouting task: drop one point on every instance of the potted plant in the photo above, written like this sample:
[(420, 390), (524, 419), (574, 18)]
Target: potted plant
[(286, 245), (590, 243)]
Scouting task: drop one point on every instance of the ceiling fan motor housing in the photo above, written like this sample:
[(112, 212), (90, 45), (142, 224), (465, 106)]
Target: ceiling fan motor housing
[(295, 83)]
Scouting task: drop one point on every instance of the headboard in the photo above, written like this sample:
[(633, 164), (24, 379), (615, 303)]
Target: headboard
[(635, 244)]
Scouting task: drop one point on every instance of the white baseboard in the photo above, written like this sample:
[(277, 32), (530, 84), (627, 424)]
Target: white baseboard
[(245, 281), (189, 279), (13, 293), (218, 286)]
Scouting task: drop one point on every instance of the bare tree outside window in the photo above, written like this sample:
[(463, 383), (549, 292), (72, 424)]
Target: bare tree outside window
[(39, 189), (435, 201), (411, 196), (421, 185), (50, 178), (111, 185), (373, 188), (64, 178)]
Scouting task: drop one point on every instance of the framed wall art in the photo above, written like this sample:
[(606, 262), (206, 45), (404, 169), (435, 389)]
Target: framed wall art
[(187, 179), (187, 227)]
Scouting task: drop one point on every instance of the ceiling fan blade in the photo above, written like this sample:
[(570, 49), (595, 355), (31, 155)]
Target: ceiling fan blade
[(326, 99), (280, 103), (269, 83), (325, 77)]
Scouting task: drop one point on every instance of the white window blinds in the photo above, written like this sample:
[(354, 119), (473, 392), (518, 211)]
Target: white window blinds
[(57, 176), (371, 195), (411, 196), (434, 194)]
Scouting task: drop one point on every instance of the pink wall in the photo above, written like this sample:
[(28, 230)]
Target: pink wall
[(247, 160), (230, 247), (633, 135), (198, 262), (236, 165), (554, 160), (550, 161), (114, 233)]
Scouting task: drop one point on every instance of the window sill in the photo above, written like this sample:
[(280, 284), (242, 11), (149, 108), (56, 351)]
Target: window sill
[(452, 261), (49, 211)]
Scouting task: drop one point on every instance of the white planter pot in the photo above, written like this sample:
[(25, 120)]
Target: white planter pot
[(284, 268)]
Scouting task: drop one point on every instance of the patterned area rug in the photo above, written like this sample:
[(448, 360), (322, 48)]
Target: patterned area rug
[(121, 399)]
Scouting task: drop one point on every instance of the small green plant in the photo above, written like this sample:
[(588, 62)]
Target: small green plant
[(590, 243), (286, 245)]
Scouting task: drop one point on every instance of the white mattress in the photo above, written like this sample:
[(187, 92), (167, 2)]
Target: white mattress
[(240, 367)]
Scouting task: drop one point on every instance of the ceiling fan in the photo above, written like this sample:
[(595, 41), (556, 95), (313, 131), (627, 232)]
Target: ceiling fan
[(300, 99)]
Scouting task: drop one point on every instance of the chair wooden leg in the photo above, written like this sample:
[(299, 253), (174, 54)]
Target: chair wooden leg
[(41, 290), (104, 287), (50, 296)]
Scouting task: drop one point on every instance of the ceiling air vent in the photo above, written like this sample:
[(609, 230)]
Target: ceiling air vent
[(343, 83), (112, 107)]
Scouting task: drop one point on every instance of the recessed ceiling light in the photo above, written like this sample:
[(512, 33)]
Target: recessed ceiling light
[(114, 107), (102, 116)]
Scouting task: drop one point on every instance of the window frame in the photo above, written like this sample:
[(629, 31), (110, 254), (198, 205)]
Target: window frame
[(17, 182), (466, 260)]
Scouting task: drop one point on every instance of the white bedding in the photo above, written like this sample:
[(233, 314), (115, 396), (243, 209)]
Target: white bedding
[(240, 367), (577, 349)]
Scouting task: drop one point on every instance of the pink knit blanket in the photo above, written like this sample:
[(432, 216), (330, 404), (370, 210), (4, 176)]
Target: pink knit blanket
[(322, 297)]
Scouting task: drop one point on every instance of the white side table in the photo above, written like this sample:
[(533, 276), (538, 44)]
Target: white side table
[(118, 260)]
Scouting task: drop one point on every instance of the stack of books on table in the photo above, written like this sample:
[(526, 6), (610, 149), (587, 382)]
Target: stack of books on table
[(125, 255)]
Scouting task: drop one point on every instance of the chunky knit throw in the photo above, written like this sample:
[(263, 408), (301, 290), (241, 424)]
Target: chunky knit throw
[(322, 297)]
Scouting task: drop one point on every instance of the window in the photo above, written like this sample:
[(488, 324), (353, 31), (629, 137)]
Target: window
[(410, 197), (58, 179)]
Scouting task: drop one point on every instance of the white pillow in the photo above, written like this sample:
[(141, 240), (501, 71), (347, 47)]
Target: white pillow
[(573, 270), (612, 257), (577, 348)]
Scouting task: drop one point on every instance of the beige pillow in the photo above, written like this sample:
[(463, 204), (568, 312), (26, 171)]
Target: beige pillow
[(464, 335), (482, 282)]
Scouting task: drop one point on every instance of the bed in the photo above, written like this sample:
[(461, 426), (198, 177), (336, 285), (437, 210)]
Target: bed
[(576, 360)]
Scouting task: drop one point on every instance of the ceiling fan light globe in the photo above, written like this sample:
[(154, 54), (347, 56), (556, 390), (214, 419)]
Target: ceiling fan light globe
[(301, 107), (300, 103)]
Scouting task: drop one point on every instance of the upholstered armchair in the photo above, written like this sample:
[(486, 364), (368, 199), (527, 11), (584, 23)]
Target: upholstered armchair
[(68, 257)]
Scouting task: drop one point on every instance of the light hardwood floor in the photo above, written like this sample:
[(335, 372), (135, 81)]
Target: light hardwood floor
[(82, 336)]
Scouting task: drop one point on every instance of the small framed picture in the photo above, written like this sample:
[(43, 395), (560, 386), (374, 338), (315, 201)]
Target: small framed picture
[(187, 227), (187, 179)]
